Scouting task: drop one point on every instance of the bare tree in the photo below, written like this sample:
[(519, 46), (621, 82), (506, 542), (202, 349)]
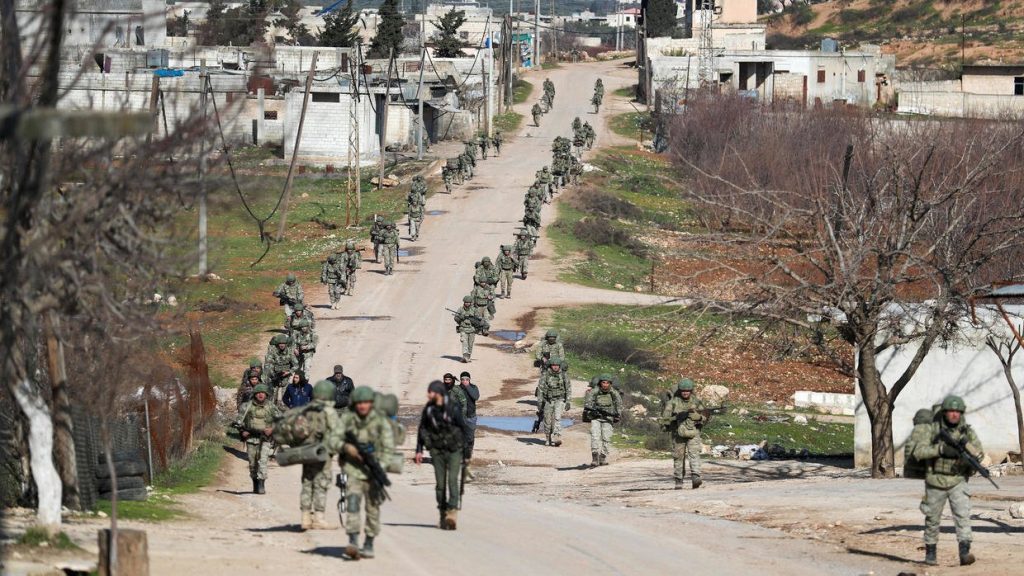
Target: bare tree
[(1005, 348), (87, 209), (869, 234)]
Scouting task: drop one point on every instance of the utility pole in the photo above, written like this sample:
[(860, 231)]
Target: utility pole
[(488, 88), (537, 35), (384, 119), (420, 128), (618, 26), (354, 174), (554, 33), (706, 51), (204, 81), (295, 149)]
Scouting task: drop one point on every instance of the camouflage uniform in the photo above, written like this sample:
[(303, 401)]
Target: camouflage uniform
[(374, 430), (280, 363), (604, 406), (290, 293), (389, 240), (686, 440), (351, 260), (485, 142), (946, 478), (305, 344), (327, 429), (415, 212), (507, 267), (254, 419), (545, 179), (301, 316), (589, 135), (468, 323), (245, 387), (446, 176), (497, 140), (536, 112), (549, 347), (334, 274), (553, 398), (481, 299), (523, 248), (419, 187), (376, 235)]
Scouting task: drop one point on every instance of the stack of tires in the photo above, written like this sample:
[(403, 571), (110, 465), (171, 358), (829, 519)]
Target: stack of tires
[(131, 477)]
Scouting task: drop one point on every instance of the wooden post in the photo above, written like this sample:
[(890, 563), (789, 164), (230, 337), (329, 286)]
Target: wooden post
[(154, 95), (295, 150), (384, 119), (132, 553), (204, 81)]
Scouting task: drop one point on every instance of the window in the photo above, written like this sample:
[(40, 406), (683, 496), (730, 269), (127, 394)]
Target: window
[(821, 76), (140, 36), (270, 114), (861, 76), (1018, 86), (332, 97)]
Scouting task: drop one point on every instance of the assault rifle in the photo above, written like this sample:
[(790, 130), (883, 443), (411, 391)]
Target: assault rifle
[(965, 454), (341, 481), (379, 480), (540, 418), (595, 411), (252, 431)]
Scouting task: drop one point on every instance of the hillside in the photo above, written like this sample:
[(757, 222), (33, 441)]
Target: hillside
[(922, 33)]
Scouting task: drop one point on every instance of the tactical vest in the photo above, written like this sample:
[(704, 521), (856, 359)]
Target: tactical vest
[(552, 387), (951, 466), (445, 438)]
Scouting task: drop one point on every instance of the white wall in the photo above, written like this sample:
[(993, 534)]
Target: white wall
[(969, 370)]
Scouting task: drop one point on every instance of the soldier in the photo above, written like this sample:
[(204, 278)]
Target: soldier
[(305, 342), (460, 169), (508, 265), (485, 143), (255, 424), (946, 476), (352, 261), (419, 186), (575, 170), (468, 323), (577, 126), (589, 135), (497, 141), (390, 243), (536, 113), (471, 149), (544, 177), (523, 248), (280, 363), (470, 394), (552, 399), (549, 88), (334, 275), (298, 392), (327, 429), (366, 432), (376, 235), (343, 387), (482, 298), (603, 407), (546, 349), (290, 293), (415, 212), (444, 432), (446, 176), (246, 385), (596, 102), (301, 316), (683, 417), (470, 165)]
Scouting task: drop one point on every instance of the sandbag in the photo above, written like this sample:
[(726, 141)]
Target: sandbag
[(309, 454)]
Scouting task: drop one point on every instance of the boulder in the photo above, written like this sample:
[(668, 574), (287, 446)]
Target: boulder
[(638, 410), (1017, 510), (800, 419)]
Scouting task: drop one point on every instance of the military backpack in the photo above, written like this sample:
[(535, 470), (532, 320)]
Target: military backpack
[(300, 425)]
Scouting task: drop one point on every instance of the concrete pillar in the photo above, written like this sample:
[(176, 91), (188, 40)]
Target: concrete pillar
[(260, 116)]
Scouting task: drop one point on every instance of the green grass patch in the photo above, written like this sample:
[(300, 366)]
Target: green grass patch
[(36, 536), (602, 265), (816, 437), (549, 64), (508, 122), (521, 90), (626, 92), (184, 477), (630, 124)]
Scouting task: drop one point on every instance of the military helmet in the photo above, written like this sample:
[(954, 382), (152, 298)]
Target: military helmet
[(290, 278), (595, 381), (299, 307), (953, 404), (923, 416), (467, 299), (332, 259), (279, 339), (555, 360), (362, 394), (605, 377), (389, 405), (255, 363), (685, 384), (564, 364), (506, 248), (324, 390), (551, 334), (260, 388), (486, 260)]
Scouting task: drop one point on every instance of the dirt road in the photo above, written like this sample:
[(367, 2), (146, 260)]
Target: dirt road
[(533, 512)]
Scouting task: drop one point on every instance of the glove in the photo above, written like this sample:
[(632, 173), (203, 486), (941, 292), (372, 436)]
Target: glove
[(947, 451)]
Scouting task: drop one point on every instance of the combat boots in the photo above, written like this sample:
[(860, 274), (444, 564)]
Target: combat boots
[(261, 487), (596, 460), (319, 522), (307, 520), (451, 519), (352, 550), (255, 486), (441, 523), (966, 558), (465, 358), (602, 459), (367, 550), (679, 483), (697, 482), (931, 557)]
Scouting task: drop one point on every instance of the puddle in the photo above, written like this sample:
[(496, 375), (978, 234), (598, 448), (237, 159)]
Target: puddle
[(515, 423), (436, 212), (403, 253), (370, 318), (510, 335)]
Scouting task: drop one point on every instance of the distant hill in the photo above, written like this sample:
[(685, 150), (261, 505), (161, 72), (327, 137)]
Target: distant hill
[(922, 33)]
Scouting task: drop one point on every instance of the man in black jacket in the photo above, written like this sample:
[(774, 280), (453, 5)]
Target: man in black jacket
[(343, 387), (443, 430)]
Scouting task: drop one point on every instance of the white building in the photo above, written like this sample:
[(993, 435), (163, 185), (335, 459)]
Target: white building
[(140, 24)]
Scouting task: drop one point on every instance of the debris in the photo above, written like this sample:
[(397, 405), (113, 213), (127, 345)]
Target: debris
[(751, 452), (800, 419), (172, 301), (157, 297), (304, 195), (389, 181), (1017, 510), (742, 412)]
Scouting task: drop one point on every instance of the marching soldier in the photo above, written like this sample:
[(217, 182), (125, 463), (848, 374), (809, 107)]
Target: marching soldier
[(507, 267), (485, 143), (245, 387), (390, 242), (280, 363), (683, 418), (444, 432), (415, 212), (351, 260), (446, 176), (289, 293), (523, 249), (334, 274), (553, 399), (305, 341), (376, 235), (536, 112), (255, 424), (468, 323), (497, 140), (326, 429), (603, 407), (367, 434)]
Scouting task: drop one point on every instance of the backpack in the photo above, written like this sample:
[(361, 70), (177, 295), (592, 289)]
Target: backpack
[(298, 425), (913, 468)]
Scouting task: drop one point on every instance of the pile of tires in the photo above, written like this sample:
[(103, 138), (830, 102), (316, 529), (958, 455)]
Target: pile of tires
[(131, 477)]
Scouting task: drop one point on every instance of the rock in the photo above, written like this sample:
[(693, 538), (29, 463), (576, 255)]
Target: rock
[(521, 344), (101, 514), (789, 407), (1017, 510), (742, 412), (800, 419), (751, 452), (157, 297), (638, 288), (619, 287), (211, 277), (389, 182), (638, 410), (172, 301)]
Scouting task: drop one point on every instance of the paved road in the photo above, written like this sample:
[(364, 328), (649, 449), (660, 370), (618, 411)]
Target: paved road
[(395, 335)]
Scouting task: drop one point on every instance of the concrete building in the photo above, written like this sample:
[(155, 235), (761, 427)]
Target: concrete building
[(983, 91), (966, 368), (102, 23)]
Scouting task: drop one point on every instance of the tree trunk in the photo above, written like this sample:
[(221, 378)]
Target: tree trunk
[(40, 445), (63, 433), (879, 409), (1008, 371)]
